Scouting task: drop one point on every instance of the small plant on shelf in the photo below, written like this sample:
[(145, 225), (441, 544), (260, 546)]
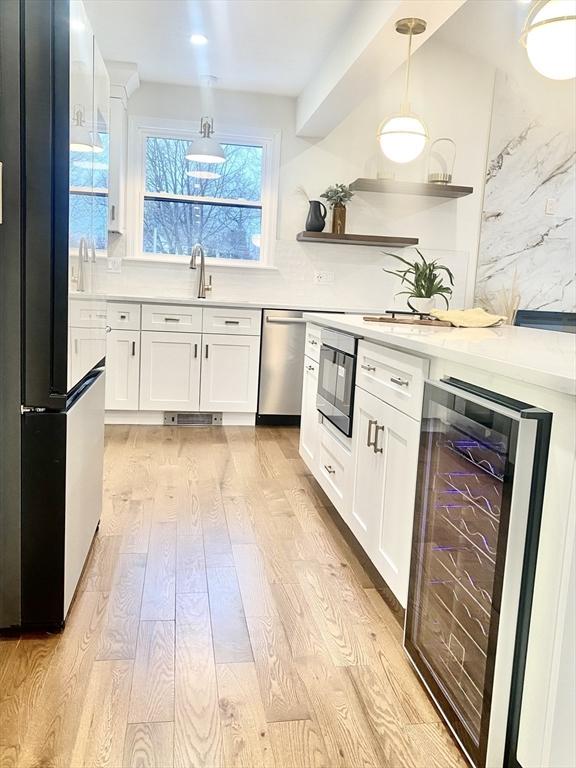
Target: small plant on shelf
[(337, 196), (423, 281)]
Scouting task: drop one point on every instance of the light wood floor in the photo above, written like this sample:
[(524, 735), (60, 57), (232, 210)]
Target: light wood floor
[(221, 621)]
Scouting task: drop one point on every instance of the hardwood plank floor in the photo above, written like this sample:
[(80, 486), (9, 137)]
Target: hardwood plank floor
[(222, 620)]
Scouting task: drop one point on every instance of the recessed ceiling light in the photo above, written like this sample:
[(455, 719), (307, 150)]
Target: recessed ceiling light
[(198, 39)]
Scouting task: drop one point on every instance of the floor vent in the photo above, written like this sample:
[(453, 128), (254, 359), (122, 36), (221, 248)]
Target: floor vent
[(192, 419)]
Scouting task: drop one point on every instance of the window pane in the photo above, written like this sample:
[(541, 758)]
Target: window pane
[(167, 171), (89, 213), (226, 232), (84, 164)]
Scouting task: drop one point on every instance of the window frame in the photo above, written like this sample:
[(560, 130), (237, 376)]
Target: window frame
[(140, 129)]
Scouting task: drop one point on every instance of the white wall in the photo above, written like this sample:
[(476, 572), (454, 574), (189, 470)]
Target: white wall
[(451, 90)]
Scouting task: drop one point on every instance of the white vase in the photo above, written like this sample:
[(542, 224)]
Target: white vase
[(421, 305)]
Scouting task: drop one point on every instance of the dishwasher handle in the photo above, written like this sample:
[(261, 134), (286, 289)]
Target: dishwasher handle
[(286, 320)]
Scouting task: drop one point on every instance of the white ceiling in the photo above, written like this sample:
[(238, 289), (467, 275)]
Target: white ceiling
[(268, 46)]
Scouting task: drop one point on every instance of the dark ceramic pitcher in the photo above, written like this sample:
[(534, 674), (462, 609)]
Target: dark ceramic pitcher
[(316, 220)]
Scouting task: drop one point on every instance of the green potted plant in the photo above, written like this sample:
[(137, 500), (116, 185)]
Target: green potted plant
[(423, 281), (337, 196)]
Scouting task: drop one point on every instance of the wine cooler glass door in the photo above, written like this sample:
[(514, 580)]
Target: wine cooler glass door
[(466, 471)]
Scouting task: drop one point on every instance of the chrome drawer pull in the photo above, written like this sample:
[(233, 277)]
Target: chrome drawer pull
[(369, 442), (231, 322), (368, 367), (401, 382), (122, 317), (329, 469), (171, 319)]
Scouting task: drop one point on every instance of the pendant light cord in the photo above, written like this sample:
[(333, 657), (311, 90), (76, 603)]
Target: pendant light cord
[(406, 104)]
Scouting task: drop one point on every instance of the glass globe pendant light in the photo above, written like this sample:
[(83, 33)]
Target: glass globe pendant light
[(549, 35), (403, 136), (205, 149), (81, 138)]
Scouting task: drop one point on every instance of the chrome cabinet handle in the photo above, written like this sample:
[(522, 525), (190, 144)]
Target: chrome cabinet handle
[(108, 329), (378, 429), (206, 352), (369, 442), (195, 350), (75, 346), (400, 381), (231, 322), (368, 367), (122, 317), (171, 319), (329, 469), (133, 349)]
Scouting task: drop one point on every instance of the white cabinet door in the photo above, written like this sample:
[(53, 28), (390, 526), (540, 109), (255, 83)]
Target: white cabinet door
[(229, 373), (368, 489), (86, 348), (397, 438), (122, 370), (170, 371), (386, 461), (309, 415), (117, 169)]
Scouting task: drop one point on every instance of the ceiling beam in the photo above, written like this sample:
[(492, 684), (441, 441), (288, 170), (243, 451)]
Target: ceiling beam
[(368, 53)]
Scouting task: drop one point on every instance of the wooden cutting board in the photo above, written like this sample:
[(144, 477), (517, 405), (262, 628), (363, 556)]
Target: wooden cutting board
[(407, 321)]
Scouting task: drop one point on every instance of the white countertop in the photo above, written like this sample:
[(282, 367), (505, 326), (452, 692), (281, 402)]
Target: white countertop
[(216, 302), (544, 358)]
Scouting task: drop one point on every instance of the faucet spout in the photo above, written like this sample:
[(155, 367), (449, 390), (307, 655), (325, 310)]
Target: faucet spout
[(203, 287)]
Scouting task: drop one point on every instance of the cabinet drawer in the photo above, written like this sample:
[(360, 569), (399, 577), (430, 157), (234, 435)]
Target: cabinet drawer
[(393, 376), (166, 317), (334, 470), (122, 315), (231, 321), (87, 313), (313, 340)]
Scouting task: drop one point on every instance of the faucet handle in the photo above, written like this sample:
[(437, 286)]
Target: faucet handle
[(209, 286)]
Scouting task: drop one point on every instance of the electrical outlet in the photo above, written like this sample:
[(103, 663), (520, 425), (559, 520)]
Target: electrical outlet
[(322, 276), (114, 264)]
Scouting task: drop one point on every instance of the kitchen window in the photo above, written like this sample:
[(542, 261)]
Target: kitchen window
[(89, 196), (180, 204)]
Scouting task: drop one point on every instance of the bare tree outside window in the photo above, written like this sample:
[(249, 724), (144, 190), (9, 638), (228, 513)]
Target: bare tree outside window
[(180, 210)]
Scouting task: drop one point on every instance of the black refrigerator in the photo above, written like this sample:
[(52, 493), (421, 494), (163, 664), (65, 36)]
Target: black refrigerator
[(481, 477), (53, 142)]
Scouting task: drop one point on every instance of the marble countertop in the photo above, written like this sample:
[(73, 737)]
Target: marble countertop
[(544, 358)]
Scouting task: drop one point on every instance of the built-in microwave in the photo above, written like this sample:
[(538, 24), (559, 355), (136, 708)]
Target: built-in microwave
[(336, 377)]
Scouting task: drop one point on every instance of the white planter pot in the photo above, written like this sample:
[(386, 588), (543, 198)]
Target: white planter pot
[(421, 305)]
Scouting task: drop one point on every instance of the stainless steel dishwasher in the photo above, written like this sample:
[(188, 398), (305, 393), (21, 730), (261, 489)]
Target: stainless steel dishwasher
[(281, 367)]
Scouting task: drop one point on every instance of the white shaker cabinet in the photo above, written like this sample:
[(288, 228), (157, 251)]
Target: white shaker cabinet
[(86, 347), (386, 458), (170, 371), (230, 367), (123, 370), (117, 170), (309, 415)]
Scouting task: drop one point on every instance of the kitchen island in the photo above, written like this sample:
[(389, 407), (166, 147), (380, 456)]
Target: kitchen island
[(533, 366)]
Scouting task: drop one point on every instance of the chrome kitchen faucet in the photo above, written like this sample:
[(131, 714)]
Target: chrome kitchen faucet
[(203, 288)]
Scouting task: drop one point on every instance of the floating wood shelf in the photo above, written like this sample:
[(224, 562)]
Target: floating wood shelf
[(328, 237), (392, 186)]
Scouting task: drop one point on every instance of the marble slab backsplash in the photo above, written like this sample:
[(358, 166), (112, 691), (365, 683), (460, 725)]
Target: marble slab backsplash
[(528, 235), (359, 280)]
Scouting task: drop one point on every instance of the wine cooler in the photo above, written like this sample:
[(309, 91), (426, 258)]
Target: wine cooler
[(481, 476)]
